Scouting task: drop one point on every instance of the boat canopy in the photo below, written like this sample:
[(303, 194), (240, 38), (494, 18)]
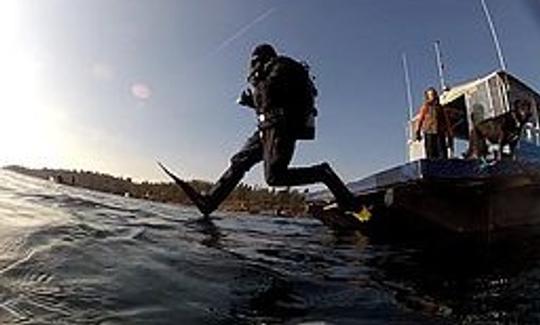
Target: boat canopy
[(457, 91)]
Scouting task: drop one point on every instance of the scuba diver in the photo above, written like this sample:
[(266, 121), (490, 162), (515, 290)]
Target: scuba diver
[(282, 93)]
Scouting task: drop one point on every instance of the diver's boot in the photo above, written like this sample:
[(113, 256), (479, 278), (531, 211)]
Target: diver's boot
[(200, 201), (344, 197)]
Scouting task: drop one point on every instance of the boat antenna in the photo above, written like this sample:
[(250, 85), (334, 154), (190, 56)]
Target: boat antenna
[(407, 85), (500, 55), (491, 25), (409, 126), (440, 65)]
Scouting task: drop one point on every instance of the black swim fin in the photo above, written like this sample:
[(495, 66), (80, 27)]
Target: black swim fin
[(198, 199)]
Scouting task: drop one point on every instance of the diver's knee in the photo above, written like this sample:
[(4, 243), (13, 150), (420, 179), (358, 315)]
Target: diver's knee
[(237, 160), (241, 164), (270, 178), (273, 178)]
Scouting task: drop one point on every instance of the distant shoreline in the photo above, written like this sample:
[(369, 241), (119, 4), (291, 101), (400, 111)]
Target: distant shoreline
[(244, 198)]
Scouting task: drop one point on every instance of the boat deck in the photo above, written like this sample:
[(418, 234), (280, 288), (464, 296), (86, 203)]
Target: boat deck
[(527, 164)]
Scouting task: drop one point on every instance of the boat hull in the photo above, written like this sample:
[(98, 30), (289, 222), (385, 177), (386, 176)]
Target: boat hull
[(453, 195)]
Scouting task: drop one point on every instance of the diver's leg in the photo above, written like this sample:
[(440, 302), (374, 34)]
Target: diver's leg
[(241, 162), (249, 155), (321, 173), (278, 152)]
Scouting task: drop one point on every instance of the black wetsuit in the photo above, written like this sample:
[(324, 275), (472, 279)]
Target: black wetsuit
[(278, 99)]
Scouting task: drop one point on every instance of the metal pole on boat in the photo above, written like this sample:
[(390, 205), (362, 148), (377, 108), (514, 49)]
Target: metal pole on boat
[(502, 62), (409, 127), (408, 85), (440, 65), (491, 25)]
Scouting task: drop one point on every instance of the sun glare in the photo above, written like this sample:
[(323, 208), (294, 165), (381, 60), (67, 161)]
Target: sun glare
[(26, 128)]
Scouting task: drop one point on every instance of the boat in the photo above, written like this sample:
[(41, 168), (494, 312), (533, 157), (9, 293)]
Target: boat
[(456, 195)]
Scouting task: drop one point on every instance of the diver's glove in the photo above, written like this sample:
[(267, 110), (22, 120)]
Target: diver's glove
[(246, 98)]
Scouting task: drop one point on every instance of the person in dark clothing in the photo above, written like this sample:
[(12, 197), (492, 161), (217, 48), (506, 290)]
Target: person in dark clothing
[(282, 94), (435, 125)]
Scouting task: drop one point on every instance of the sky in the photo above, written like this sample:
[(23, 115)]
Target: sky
[(114, 86)]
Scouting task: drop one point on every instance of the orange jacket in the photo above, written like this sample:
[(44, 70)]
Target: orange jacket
[(434, 119)]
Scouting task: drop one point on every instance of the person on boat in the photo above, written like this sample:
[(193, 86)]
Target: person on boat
[(282, 94), (435, 126)]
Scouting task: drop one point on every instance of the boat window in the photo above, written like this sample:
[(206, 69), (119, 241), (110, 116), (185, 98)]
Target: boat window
[(479, 103), (496, 95)]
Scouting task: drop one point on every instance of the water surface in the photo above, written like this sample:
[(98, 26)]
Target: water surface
[(72, 256)]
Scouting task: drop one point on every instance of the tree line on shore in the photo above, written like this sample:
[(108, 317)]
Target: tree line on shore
[(245, 197)]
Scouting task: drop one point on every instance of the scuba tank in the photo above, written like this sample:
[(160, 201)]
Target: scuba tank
[(306, 131), (307, 128)]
